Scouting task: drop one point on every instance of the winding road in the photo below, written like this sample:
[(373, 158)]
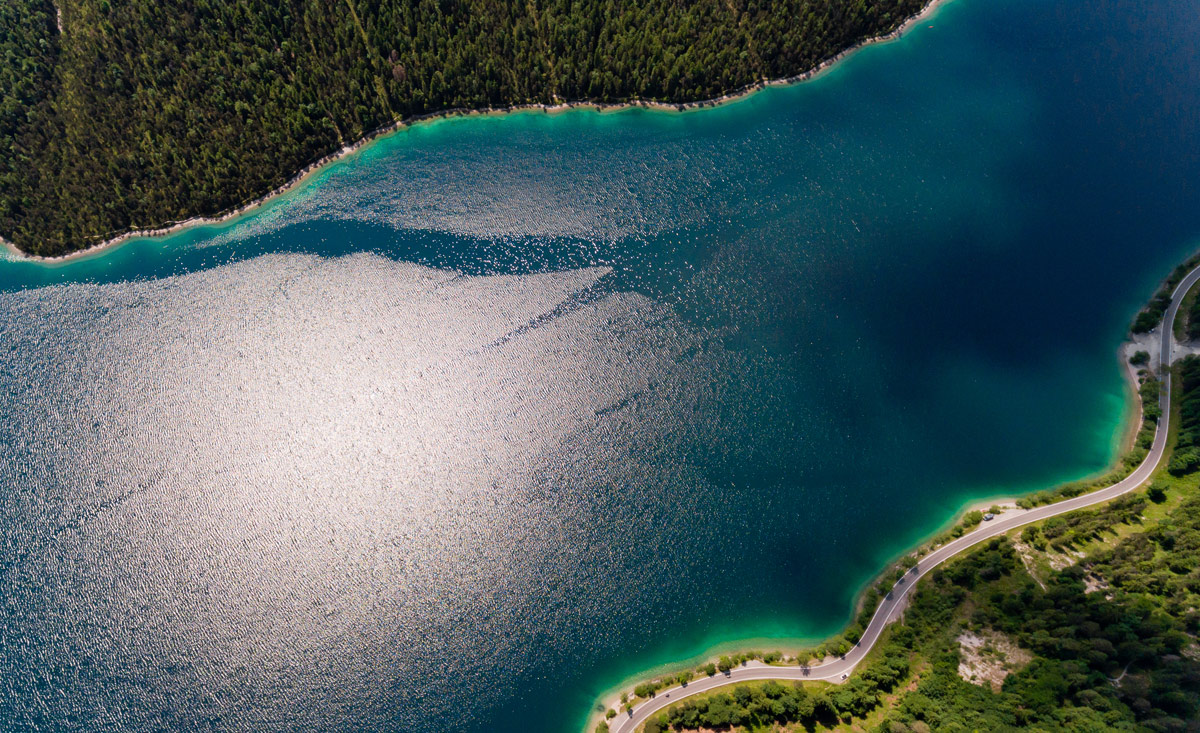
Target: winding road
[(891, 607)]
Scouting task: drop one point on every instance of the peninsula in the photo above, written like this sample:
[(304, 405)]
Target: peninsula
[(116, 117)]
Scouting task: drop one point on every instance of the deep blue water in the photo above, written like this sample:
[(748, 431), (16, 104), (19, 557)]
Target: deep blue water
[(500, 411)]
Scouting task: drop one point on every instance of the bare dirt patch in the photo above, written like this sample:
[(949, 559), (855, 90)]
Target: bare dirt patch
[(1095, 584), (1028, 559), (1192, 652), (988, 657)]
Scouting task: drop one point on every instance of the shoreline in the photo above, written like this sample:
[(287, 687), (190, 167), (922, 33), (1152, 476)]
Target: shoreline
[(1134, 409), (926, 11), (1131, 422)]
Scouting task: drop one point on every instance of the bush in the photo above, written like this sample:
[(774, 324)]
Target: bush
[(972, 518), (1184, 462), (1193, 320), (1140, 358), (1152, 315), (1032, 536), (1157, 492)]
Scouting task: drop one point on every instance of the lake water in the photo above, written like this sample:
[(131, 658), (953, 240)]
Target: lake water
[(500, 411)]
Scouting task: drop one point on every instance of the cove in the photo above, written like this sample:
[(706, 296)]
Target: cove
[(501, 411)]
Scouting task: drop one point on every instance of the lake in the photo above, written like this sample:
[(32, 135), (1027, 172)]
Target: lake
[(498, 412)]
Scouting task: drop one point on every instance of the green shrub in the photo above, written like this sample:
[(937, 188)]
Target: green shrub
[(840, 647), (1152, 315), (1184, 461), (1032, 536)]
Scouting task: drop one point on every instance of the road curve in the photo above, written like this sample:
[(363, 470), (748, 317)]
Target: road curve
[(891, 606)]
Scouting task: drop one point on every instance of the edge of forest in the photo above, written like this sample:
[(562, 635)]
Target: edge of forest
[(400, 124)]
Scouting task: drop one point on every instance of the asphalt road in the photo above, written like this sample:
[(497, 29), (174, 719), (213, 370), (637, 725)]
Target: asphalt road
[(891, 607)]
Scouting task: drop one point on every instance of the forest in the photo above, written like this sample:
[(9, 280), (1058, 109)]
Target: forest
[(1186, 457), (122, 114)]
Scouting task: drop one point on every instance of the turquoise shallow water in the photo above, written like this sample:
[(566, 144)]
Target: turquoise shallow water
[(500, 411)]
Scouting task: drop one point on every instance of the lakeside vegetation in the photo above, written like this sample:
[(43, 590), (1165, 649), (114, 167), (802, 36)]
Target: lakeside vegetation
[(1083, 621), (1117, 657), (833, 648), (1151, 315), (1089, 622), (1058, 534), (147, 112), (1186, 457)]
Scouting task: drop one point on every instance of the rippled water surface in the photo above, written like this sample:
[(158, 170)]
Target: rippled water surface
[(500, 411)]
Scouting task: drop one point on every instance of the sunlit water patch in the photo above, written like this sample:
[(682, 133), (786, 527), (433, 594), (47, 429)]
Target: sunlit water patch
[(345, 486)]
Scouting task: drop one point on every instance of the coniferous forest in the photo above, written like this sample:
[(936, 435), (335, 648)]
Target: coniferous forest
[(135, 113)]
